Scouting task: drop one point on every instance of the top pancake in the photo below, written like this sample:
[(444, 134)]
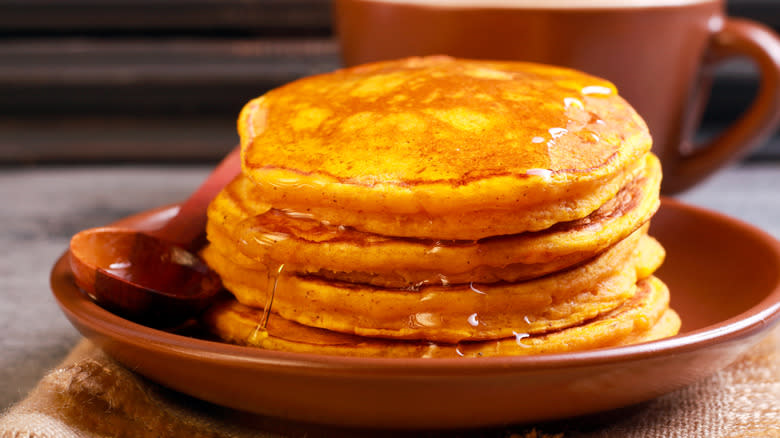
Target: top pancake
[(440, 136)]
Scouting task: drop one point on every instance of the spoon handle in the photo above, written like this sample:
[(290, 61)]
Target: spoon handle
[(190, 221)]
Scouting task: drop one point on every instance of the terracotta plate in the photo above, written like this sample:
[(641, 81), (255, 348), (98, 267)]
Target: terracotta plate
[(724, 277)]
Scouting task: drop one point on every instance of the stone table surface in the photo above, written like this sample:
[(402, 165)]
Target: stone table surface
[(43, 206)]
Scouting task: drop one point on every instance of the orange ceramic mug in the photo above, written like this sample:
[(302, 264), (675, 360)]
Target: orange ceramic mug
[(659, 53)]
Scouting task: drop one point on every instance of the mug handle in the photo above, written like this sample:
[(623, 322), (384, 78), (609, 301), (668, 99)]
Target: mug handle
[(737, 37)]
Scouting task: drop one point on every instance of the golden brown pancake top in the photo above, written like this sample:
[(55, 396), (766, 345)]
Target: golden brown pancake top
[(437, 121)]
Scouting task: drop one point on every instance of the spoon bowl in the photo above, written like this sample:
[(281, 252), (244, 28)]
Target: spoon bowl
[(141, 277), (153, 277)]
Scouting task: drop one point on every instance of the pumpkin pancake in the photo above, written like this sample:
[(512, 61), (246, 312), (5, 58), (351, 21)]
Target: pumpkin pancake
[(441, 148), (447, 313), (644, 317), (305, 245)]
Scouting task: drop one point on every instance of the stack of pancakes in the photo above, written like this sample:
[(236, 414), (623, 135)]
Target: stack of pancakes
[(434, 207)]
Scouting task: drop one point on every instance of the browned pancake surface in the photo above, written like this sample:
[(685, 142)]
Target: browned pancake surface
[(438, 135)]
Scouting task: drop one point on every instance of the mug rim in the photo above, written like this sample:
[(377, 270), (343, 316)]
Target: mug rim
[(540, 4)]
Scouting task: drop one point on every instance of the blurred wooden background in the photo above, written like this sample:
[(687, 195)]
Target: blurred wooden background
[(163, 80)]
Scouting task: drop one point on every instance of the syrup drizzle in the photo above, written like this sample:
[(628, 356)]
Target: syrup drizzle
[(269, 297), (569, 102), (471, 286), (261, 330), (596, 89), (519, 338)]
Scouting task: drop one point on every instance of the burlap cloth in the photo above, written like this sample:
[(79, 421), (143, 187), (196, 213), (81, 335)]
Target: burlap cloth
[(90, 395)]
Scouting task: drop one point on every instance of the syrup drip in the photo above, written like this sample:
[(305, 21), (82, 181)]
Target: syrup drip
[(519, 338), (545, 174), (557, 132), (596, 89), (423, 319), (569, 102), (435, 248), (269, 297), (261, 330), (471, 286), (297, 214)]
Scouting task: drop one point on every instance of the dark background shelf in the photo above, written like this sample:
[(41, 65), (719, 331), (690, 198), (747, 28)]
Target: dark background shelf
[(164, 79)]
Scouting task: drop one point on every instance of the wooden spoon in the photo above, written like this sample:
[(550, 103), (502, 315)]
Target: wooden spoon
[(152, 277)]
